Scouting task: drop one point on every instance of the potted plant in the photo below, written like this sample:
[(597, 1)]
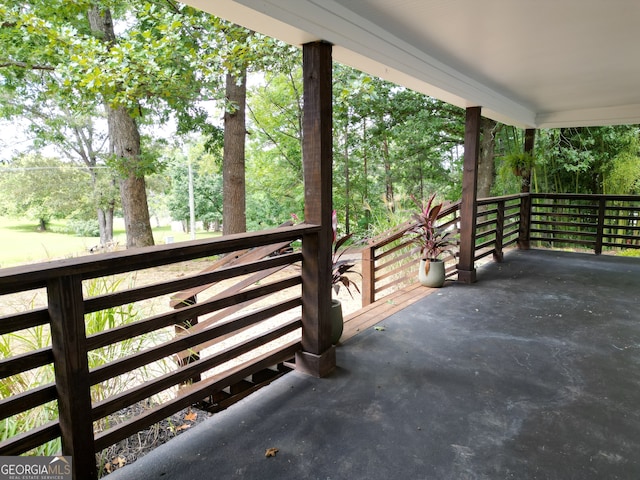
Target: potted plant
[(521, 164), (340, 271), (431, 241)]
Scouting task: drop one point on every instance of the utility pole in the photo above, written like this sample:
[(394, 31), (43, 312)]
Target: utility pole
[(192, 203)]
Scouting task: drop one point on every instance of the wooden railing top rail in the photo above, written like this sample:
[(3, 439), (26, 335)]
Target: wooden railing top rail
[(586, 196), (400, 230), (502, 198), (28, 277)]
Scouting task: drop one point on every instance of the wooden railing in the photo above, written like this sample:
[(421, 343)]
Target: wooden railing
[(596, 222), (389, 263), (82, 421), (497, 225)]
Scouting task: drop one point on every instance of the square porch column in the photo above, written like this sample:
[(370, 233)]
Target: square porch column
[(524, 228), (469, 206), (318, 357)]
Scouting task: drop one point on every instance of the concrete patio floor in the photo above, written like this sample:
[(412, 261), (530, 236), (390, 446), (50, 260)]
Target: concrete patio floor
[(531, 373)]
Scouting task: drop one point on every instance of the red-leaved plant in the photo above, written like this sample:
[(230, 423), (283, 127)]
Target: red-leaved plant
[(431, 240), (341, 267)]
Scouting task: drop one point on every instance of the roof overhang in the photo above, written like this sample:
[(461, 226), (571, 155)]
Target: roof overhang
[(543, 63)]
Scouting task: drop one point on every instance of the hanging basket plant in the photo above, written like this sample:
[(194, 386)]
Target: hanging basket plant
[(520, 163)]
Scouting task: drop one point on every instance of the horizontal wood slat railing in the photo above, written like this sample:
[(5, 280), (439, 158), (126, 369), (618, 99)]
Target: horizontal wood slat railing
[(97, 374), (389, 264), (595, 222), (497, 225), (193, 348), (547, 220)]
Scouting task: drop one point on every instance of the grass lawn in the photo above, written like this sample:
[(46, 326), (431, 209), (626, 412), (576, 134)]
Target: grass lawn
[(21, 242)]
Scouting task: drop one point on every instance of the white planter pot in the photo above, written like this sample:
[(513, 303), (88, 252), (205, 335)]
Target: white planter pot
[(431, 273), (337, 322)]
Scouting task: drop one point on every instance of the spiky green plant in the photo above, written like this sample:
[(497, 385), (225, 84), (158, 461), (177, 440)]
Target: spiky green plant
[(40, 337)]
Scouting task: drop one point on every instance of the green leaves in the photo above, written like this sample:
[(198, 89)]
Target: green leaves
[(43, 188)]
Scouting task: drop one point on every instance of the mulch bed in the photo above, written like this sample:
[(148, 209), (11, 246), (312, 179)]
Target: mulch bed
[(130, 449)]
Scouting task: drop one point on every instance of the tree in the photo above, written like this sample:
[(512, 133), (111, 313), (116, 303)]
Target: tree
[(274, 164), (392, 143), (43, 189), (160, 64), (234, 184), (624, 173), (486, 162), (242, 51), (579, 160), (79, 139), (207, 189)]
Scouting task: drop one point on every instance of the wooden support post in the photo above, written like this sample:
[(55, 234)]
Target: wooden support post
[(469, 206), (69, 346), (368, 276), (524, 229), (498, 254), (600, 228), (529, 140), (318, 357)]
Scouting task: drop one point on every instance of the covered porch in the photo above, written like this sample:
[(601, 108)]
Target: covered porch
[(529, 373)]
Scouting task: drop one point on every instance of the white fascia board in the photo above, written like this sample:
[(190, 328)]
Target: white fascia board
[(590, 117), (253, 19)]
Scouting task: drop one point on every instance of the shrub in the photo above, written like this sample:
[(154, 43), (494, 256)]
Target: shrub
[(84, 228)]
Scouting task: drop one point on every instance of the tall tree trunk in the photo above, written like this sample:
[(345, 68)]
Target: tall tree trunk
[(125, 139), (529, 141), (104, 213), (102, 222), (389, 196), (108, 223), (105, 225), (125, 145), (347, 186), (486, 165), (365, 172), (234, 218)]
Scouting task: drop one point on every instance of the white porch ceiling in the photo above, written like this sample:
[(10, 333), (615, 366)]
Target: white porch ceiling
[(530, 63)]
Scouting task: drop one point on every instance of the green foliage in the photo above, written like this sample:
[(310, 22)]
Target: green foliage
[(623, 175), (43, 189), (580, 160), (84, 228), (575, 160), (207, 184), (39, 337), (58, 68), (274, 162), (390, 142), (521, 164)]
